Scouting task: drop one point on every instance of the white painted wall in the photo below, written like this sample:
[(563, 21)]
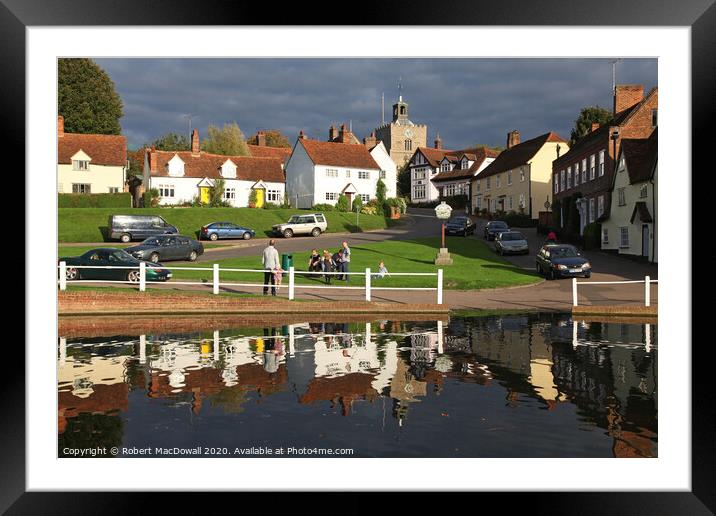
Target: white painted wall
[(100, 177), (382, 158), (186, 188)]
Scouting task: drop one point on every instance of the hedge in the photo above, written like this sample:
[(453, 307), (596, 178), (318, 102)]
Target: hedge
[(99, 200)]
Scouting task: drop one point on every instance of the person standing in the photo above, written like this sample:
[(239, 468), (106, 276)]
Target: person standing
[(346, 260), (270, 262)]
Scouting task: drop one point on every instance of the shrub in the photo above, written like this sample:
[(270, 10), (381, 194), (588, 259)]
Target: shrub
[(357, 204), (323, 207), (271, 206), (100, 200), (380, 190), (151, 198), (342, 203), (253, 197), (369, 210), (592, 235)]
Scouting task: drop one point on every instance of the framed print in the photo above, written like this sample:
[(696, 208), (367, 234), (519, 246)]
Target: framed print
[(288, 257)]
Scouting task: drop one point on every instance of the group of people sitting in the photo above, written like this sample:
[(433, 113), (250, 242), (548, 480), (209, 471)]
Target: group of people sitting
[(337, 262)]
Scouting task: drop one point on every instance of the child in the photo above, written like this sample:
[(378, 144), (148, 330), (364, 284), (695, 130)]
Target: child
[(382, 271), (277, 275)]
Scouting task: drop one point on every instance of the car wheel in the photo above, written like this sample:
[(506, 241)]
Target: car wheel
[(213, 236), (287, 233), (154, 257), (192, 256), (247, 235), (72, 274), (588, 275), (126, 237), (316, 232), (133, 276)]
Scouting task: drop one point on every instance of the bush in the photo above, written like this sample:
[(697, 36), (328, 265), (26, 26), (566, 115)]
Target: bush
[(151, 198), (100, 200), (271, 206), (342, 203), (380, 190), (592, 236), (519, 220), (323, 207), (357, 204), (369, 210), (253, 198)]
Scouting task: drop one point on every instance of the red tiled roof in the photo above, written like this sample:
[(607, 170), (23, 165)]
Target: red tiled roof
[(104, 149), (434, 156), (640, 156), (248, 168), (262, 151), (339, 154), (520, 154), (477, 155)]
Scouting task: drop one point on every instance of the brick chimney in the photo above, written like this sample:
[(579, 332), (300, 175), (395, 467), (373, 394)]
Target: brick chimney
[(153, 159), (261, 139), (370, 141), (344, 135), (302, 135), (595, 126), (626, 96), (332, 133), (60, 125), (438, 142), (195, 148), (513, 138)]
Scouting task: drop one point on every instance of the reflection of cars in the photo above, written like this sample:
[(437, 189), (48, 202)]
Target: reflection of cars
[(217, 230), (310, 224), (561, 260), (493, 227), (138, 227), (167, 247), (511, 242), (110, 256), (459, 226)]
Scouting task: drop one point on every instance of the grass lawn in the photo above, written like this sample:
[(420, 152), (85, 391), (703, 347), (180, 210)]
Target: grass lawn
[(90, 224), (475, 266)]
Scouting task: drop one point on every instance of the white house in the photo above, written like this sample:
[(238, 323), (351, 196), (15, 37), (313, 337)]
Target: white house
[(319, 172), (90, 163), (181, 176), (631, 226)]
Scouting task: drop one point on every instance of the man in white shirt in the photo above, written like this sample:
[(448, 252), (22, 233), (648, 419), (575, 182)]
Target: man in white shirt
[(270, 262)]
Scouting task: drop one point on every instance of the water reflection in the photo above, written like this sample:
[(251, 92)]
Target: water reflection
[(522, 385)]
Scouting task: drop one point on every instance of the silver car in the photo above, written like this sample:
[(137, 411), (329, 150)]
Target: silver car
[(511, 242), (309, 224)]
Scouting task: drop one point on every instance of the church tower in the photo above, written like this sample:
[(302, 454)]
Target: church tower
[(401, 136)]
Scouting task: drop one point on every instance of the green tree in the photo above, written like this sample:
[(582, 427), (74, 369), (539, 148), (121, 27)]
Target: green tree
[(588, 116), (380, 190), (357, 204), (342, 203), (404, 180), (274, 138), (216, 193), (171, 142), (86, 98), (228, 141)]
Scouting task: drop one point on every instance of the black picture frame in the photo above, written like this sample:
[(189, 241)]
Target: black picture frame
[(700, 15)]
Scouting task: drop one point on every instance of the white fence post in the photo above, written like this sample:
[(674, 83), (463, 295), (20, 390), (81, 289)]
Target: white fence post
[(367, 284), (440, 286), (575, 301), (63, 275), (216, 278), (142, 276), (647, 291), (291, 283)]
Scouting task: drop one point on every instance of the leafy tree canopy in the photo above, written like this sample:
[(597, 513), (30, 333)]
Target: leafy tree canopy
[(497, 148), (228, 141), (380, 190), (404, 180), (86, 98), (588, 116), (171, 142), (274, 138)]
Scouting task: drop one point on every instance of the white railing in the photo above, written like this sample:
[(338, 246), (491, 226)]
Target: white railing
[(647, 281), (141, 280)]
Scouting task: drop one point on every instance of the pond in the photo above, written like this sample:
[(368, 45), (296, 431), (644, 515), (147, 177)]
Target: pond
[(531, 385)]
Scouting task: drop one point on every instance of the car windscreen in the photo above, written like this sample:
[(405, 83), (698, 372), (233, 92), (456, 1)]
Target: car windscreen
[(563, 252), (512, 236), (119, 256), (152, 241), (458, 220), (497, 225)]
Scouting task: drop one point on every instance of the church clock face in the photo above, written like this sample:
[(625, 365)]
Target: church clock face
[(408, 133)]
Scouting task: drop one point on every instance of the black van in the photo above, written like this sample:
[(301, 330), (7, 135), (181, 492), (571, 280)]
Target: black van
[(138, 227)]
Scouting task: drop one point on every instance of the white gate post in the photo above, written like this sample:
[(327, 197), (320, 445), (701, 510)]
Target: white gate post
[(142, 276), (291, 340), (142, 349), (291, 283), (216, 278), (575, 301), (647, 291), (367, 284), (63, 275), (440, 286), (216, 345), (440, 337)]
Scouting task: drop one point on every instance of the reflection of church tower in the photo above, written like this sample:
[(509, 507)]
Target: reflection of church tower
[(401, 136)]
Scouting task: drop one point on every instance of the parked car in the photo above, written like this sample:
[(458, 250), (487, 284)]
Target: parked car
[(493, 227), (459, 226), (217, 230), (310, 224), (511, 242), (138, 227), (167, 247), (562, 261), (111, 256)]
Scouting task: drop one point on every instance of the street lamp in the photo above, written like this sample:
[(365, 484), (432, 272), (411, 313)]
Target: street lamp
[(442, 212)]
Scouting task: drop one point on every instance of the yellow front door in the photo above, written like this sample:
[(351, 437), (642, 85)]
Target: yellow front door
[(259, 197), (204, 194)]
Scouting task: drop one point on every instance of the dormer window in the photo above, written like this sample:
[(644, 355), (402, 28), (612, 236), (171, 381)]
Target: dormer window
[(175, 166), (445, 166), (228, 169), (464, 164), (78, 164)]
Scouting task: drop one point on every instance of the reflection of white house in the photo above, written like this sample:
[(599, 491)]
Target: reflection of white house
[(181, 176), (81, 375), (319, 172), (90, 163)]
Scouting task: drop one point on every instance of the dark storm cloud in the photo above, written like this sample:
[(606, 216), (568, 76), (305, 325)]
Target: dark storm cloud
[(467, 100)]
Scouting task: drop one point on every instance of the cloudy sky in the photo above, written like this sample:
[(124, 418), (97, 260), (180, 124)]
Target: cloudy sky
[(468, 101)]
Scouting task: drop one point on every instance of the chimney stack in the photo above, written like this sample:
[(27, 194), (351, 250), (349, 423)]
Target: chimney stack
[(438, 142), (626, 96), (261, 139), (60, 125), (370, 141), (153, 159), (344, 135), (332, 133), (513, 138), (595, 126), (301, 135), (195, 148)]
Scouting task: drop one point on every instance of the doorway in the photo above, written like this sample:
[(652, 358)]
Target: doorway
[(645, 240)]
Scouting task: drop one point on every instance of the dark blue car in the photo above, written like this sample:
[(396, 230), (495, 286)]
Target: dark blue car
[(562, 261), (217, 230)]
